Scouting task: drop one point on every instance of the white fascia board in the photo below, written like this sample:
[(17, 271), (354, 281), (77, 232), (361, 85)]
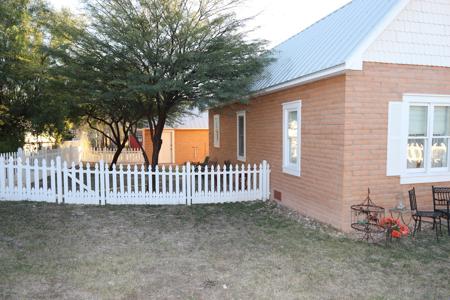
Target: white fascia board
[(355, 59), (330, 72), (435, 98)]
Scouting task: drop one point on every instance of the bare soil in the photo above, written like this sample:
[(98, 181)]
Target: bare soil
[(230, 251)]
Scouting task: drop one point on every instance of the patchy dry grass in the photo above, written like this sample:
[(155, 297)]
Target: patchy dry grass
[(233, 251)]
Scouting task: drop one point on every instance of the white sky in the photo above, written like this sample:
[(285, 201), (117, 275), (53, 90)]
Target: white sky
[(275, 21)]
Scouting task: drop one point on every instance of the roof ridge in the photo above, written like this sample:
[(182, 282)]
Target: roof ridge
[(316, 22)]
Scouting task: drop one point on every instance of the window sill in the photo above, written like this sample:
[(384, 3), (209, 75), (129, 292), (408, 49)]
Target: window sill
[(291, 172), (241, 158), (424, 178)]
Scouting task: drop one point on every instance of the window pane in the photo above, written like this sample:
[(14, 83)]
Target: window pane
[(439, 153), (216, 130), (416, 150), (418, 116), (241, 135), (441, 121), (292, 136)]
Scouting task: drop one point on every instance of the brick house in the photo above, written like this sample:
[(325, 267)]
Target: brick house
[(359, 99)]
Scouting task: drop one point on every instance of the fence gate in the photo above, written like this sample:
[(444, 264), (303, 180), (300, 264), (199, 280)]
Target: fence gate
[(125, 184), (81, 185)]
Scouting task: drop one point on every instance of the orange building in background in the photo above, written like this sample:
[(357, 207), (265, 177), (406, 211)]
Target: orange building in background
[(186, 141)]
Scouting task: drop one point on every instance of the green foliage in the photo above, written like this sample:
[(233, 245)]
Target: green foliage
[(164, 57), (96, 73), (127, 61), (180, 52), (30, 99)]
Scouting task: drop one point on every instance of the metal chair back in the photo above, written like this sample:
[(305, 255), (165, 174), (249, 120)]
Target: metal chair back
[(440, 197), (412, 199)]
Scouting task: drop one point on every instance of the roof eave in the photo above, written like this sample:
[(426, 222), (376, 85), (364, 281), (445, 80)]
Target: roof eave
[(330, 72)]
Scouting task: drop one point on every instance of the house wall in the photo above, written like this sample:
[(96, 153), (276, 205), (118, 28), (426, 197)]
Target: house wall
[(147, 142), (188, 145), (318, 192), (344, 139), (191, 145), (368, 93), (165, 154)]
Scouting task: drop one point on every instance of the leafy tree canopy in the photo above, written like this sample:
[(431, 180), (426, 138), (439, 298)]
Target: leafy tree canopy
[(30, 100), (168, 56)]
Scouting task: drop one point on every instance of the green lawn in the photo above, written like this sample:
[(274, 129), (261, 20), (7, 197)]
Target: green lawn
[(233, 251)]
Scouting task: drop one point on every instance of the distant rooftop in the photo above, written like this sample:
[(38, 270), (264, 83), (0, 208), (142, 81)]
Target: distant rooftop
[(198, 120)]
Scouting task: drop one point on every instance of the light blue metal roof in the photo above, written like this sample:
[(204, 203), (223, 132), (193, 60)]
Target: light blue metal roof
[(325, 44)]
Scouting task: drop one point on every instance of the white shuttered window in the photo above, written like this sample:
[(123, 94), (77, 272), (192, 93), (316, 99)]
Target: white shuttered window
[(292, 137), (418, 139)]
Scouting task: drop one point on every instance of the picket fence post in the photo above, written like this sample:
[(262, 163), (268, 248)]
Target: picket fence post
[(264, 181), (2, 177), (20, 153), (97, 187), (28, 178), (52, 180), (102, 182), (65, 182), (59, 185), (268, 181), (188, 192)]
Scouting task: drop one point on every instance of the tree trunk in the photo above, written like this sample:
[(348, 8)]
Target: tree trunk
[(116, 156), (144, 154), (119, 149), (157, 143)]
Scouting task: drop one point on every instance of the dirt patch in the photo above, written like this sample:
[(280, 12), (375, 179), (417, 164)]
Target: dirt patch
[(230, 251)]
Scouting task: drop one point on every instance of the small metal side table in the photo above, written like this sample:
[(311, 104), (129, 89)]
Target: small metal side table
[(400, 213)]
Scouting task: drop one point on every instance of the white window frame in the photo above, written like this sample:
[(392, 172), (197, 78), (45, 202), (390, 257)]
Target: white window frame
[(216, 131), (426, 174), (241, 113), (288, 167)]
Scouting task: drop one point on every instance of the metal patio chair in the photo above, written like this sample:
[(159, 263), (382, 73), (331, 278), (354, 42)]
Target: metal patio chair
[(418, 215), (441, 203)]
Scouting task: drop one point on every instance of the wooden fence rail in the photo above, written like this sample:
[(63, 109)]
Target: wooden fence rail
[(61, 182)]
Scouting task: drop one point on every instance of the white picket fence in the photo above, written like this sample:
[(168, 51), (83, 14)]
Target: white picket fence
[(81, 184), (74, 154), (127, 156), (70, 154)]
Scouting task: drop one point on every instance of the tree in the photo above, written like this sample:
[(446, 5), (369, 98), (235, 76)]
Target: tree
[(177, 55), (97, 73), (29, 99)]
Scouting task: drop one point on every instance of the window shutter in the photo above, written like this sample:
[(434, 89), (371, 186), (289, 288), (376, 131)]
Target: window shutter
[(394, 157)]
